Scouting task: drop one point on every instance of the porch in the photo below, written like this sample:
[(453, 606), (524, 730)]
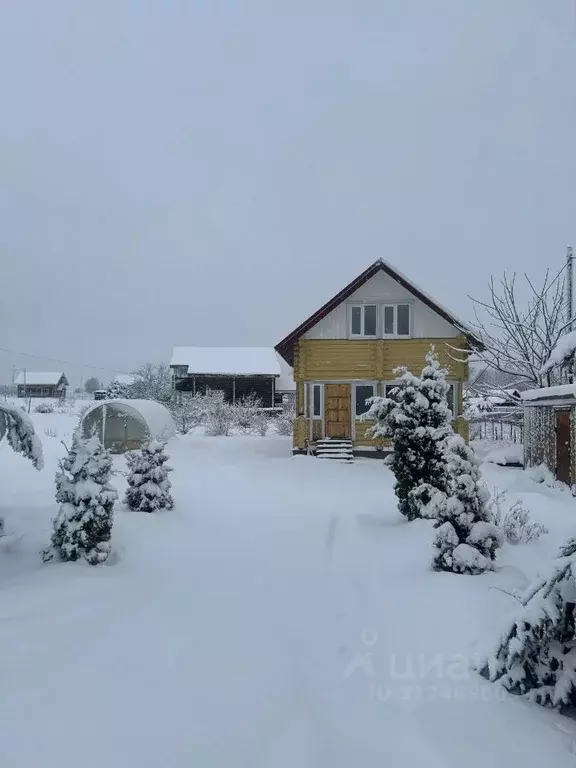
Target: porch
[(335, 409)]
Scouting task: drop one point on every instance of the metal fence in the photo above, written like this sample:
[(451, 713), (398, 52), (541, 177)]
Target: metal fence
[(498, 425)]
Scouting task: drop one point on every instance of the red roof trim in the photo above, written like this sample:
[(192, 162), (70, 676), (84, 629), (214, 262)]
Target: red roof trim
[(285, 348)]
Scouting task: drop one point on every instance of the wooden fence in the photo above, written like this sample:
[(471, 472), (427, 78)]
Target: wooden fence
[(498, 425)]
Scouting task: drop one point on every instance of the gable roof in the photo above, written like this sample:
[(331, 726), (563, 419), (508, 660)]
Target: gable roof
[(227, 361), (37, 378), (285, 347)]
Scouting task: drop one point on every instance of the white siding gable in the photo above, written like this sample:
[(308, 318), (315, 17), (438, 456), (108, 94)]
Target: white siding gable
[(383, 289)]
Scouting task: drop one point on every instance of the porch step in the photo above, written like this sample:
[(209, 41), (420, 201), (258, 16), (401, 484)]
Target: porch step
[(334, 448)]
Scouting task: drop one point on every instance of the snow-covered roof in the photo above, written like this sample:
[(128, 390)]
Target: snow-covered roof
[(562, 352), (50, 378), (155, 415), (126, 379), (565, 392), (227, 361)]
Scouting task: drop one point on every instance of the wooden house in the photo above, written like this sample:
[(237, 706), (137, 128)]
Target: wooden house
[(41, 384), (238, 372), (549, 430), (346, 352)]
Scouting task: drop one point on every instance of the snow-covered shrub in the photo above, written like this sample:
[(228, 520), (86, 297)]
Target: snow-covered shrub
[(246, 413), (189, 412), (44, 408), (220, 419), (117, 391), (467, 538), (285, 420), (17, 427), (152, 382), (148, 483), (83, 525), (541, 474), (536, 655), (417, 418), (515, 522)]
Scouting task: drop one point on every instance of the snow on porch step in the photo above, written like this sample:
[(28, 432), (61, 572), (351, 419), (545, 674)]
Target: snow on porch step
[(335, 448)]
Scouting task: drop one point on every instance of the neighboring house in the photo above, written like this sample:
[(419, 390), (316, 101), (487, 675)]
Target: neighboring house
[(236, 371), (549, 430), (41, 384), (346, 352)]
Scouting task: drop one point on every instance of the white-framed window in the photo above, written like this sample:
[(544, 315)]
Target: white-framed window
[(316, 401), (362, 391), (364, 320), (397, 320), (452, 397)]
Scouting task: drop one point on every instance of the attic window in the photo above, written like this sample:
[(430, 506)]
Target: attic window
[(363, 319), (397, 320)]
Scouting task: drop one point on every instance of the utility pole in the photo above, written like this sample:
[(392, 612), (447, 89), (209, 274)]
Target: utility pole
[(570, 305)]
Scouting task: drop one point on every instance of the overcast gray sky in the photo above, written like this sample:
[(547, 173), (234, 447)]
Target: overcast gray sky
[(186, 172)]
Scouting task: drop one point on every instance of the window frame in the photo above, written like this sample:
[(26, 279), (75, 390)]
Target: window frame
[(373, 384), (362, 306), (395, 334), (313, 414)]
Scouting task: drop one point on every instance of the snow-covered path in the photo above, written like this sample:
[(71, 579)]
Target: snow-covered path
[(280, 615)]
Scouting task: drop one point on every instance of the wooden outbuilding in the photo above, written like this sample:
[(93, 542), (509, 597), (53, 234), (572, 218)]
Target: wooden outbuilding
[(549, 430)]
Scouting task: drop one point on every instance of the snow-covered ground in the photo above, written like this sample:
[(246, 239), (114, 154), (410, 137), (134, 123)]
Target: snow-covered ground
[(281, 616)]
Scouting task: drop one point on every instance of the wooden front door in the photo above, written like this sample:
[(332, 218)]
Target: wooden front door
[(337, 410), (563, 447)]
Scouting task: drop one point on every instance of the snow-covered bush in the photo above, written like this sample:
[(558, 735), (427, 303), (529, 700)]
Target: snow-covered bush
[(148, 483), (536, 655), (220, 419), (83, 525), (467, 538), (285, 420), (246, 414), (417, 418), (19, 431), (118, 391), (189, 412), (541, 474), (152, 382), (44, 408), (515, 522)]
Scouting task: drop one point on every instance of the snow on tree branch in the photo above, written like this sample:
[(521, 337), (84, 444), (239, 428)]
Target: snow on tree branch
[(520, 334), (20, 434), (563, 351)]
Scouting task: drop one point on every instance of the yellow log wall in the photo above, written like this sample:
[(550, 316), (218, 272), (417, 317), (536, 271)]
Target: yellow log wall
[(326, 359)]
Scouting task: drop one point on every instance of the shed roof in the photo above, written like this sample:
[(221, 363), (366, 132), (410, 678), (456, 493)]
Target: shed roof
[(50, 378), (155, 415), (227, 361), (561, 393)]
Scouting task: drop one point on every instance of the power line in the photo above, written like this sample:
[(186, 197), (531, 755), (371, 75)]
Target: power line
[(62, 362)]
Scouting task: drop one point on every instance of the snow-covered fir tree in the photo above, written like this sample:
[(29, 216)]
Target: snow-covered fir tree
[(466, 539), (536, 656), (20, 435), (148, 483), (417, 418), (83, 525)]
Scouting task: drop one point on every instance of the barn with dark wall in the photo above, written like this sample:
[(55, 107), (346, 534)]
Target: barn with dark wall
[(549, 430), (238, 372)]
